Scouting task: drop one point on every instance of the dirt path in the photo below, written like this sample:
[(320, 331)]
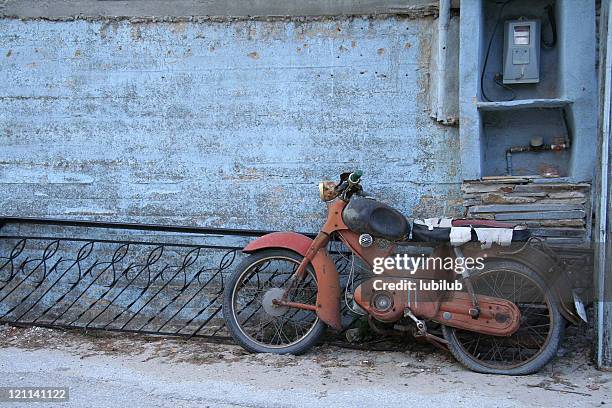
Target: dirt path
[(133, 371)]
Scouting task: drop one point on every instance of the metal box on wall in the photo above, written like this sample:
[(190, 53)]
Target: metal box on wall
[(521, 52)]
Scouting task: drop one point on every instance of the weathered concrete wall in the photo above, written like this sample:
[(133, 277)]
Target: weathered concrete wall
[(218, 123)]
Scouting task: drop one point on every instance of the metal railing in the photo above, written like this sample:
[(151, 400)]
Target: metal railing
[(150, 279)]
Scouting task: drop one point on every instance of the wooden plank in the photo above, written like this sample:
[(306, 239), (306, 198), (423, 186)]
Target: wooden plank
[(528, 194), (566, 201), (466, 196), (556, 223), (541, 215), (566, 194), (497, 198), (485, 188), (496, 208), (471, 202), (503, 180), (552, 187), (482, 216), (523, 103), (565, 241), (558, 232)]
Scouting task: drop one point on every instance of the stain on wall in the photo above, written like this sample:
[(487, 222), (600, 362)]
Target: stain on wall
[(218, 123)]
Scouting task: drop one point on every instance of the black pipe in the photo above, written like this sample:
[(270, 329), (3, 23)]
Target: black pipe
[(141, 227)]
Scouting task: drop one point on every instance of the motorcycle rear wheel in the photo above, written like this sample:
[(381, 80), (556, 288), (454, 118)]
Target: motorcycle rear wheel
[(254, 321), (537, 339)]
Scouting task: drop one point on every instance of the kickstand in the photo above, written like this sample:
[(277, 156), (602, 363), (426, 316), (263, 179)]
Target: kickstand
[(439, 342)]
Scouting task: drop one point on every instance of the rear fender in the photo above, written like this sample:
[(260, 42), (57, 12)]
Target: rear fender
[(328, 282), (553, 273)]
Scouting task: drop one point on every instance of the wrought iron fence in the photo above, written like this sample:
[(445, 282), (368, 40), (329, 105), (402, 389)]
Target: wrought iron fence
[(139, 278)]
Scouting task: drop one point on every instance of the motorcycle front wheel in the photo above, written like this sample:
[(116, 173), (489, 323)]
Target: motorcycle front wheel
[(537, 339), (254, 321)]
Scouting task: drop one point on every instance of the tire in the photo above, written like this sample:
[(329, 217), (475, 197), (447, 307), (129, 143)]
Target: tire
[(555, 330), (231, 314)]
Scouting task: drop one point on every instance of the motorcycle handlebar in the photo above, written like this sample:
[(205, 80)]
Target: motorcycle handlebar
[(355, 176)]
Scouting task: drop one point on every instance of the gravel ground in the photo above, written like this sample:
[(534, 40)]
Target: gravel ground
[(126, 370)]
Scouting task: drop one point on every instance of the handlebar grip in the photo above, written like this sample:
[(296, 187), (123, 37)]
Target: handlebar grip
[(355, 176)]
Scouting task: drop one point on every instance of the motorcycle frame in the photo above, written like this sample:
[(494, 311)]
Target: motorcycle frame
[(327, 304)]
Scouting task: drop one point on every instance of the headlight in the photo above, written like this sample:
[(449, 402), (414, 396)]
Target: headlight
[(327, 190)]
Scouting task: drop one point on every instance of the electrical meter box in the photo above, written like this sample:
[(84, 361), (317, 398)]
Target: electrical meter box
[(522, 52)]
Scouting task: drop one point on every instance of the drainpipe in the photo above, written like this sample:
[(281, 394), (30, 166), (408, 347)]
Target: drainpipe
[(602, 237), (443, 23)]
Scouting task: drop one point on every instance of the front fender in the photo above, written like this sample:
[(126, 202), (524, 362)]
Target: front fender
[(328, 282)]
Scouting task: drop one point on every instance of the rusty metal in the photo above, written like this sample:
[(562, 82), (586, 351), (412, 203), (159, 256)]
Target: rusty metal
[(498, 317), (122, 277), (294, 305), (315, 254)]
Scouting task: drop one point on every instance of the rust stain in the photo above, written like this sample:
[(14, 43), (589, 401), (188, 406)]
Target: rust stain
[(381, 51), (77, 53), (452, 171), (253, 55), (309, 31), (135, 32), (423, 58), (353, 44), (251, 31), (178, 28), (407, 45), (114, 25)]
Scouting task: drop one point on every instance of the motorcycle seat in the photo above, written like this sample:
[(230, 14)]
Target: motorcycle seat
[(368, 216)]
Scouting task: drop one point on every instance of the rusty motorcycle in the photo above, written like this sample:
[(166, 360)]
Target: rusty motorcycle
[(508, 317)]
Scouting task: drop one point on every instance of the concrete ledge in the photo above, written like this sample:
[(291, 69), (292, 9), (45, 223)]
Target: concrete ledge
[(59, 9)]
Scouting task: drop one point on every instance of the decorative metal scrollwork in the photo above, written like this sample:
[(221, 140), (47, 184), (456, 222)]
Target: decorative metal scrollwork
[(129, 285)]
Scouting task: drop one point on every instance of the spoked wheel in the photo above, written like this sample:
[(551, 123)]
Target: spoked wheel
[(535, 342), (252, 318)]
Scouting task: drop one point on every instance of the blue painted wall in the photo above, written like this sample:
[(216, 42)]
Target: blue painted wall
[(218, 123)]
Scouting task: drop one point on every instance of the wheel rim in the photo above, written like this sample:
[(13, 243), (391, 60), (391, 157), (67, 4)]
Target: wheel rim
[(536, 324), (257, 318)]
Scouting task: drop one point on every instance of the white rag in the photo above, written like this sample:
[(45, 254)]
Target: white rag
[(460, 235), (488, 236), (432, 223)]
